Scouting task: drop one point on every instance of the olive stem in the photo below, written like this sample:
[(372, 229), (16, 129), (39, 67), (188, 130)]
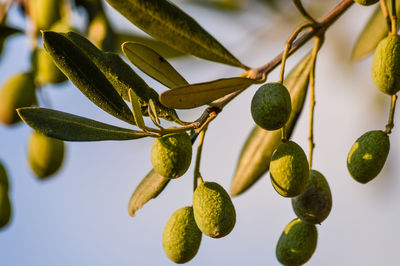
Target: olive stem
[(385, 12), (323, 24), (317, 45), (288, 45), (303, 12), (390, 123), (393, 18), (283, 134), (317, 30), (197, 175)]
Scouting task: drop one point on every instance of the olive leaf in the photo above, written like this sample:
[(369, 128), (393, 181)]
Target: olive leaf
[(166, 22), (153, 64), (199, 94), (69, 127), (160, 47), (260, 144), (85, 75), (122, 76), (373, 32), (153, 113), (149, 188)]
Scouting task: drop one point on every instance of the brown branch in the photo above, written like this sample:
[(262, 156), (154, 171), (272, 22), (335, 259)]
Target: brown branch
[(323, 24), (260, 73)]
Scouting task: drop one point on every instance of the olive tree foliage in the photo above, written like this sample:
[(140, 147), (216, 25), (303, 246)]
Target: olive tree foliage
[(97, 59)]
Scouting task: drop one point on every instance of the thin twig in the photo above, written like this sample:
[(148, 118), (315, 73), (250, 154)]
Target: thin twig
[(393, 18), (302, 11), (197, 176), (390, 123), (289, 45), (385, 12), (317, 46), (323, 24)]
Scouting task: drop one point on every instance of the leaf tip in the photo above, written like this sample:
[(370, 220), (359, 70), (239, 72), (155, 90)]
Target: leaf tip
[(132, 213), (20, 112)]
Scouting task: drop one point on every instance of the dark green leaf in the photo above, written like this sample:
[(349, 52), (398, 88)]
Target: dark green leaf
[(122, 77), (199, 94), (85, 75), (160, 47), (153, 64), (260, 144), (149, 188), (374, 31), (70, 127), (166, 22)]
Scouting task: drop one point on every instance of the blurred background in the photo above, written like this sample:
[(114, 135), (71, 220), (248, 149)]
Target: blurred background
[(79, 216)]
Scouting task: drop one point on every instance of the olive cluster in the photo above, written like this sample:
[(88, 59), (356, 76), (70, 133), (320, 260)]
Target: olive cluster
[(368, 154), (291, 177), (212, 212), (45, 155)]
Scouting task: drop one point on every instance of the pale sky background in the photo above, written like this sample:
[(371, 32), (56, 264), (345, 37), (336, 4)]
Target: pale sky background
[(79, 217)]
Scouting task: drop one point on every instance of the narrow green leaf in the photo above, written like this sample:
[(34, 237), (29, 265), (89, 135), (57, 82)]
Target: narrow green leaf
[(166, 22), (137, 112), (85, 75), (373, 32), (153, 64), (65, 126), (260, 144), (160, 47), (153, 113), (199, 94), (122, 77), (149, 188)]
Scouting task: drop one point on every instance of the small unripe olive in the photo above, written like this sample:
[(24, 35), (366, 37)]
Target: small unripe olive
[(271, 106), (367, 156), (366, 2), (297, 243), (4, 178), (18, 91), (5, 207), (289, 169), (45, 154), (214, 211), (44, 13), (171, 154), (101, 33), (46, 70), (181, 236), (315, 203), (386, 65), (62, 26)]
